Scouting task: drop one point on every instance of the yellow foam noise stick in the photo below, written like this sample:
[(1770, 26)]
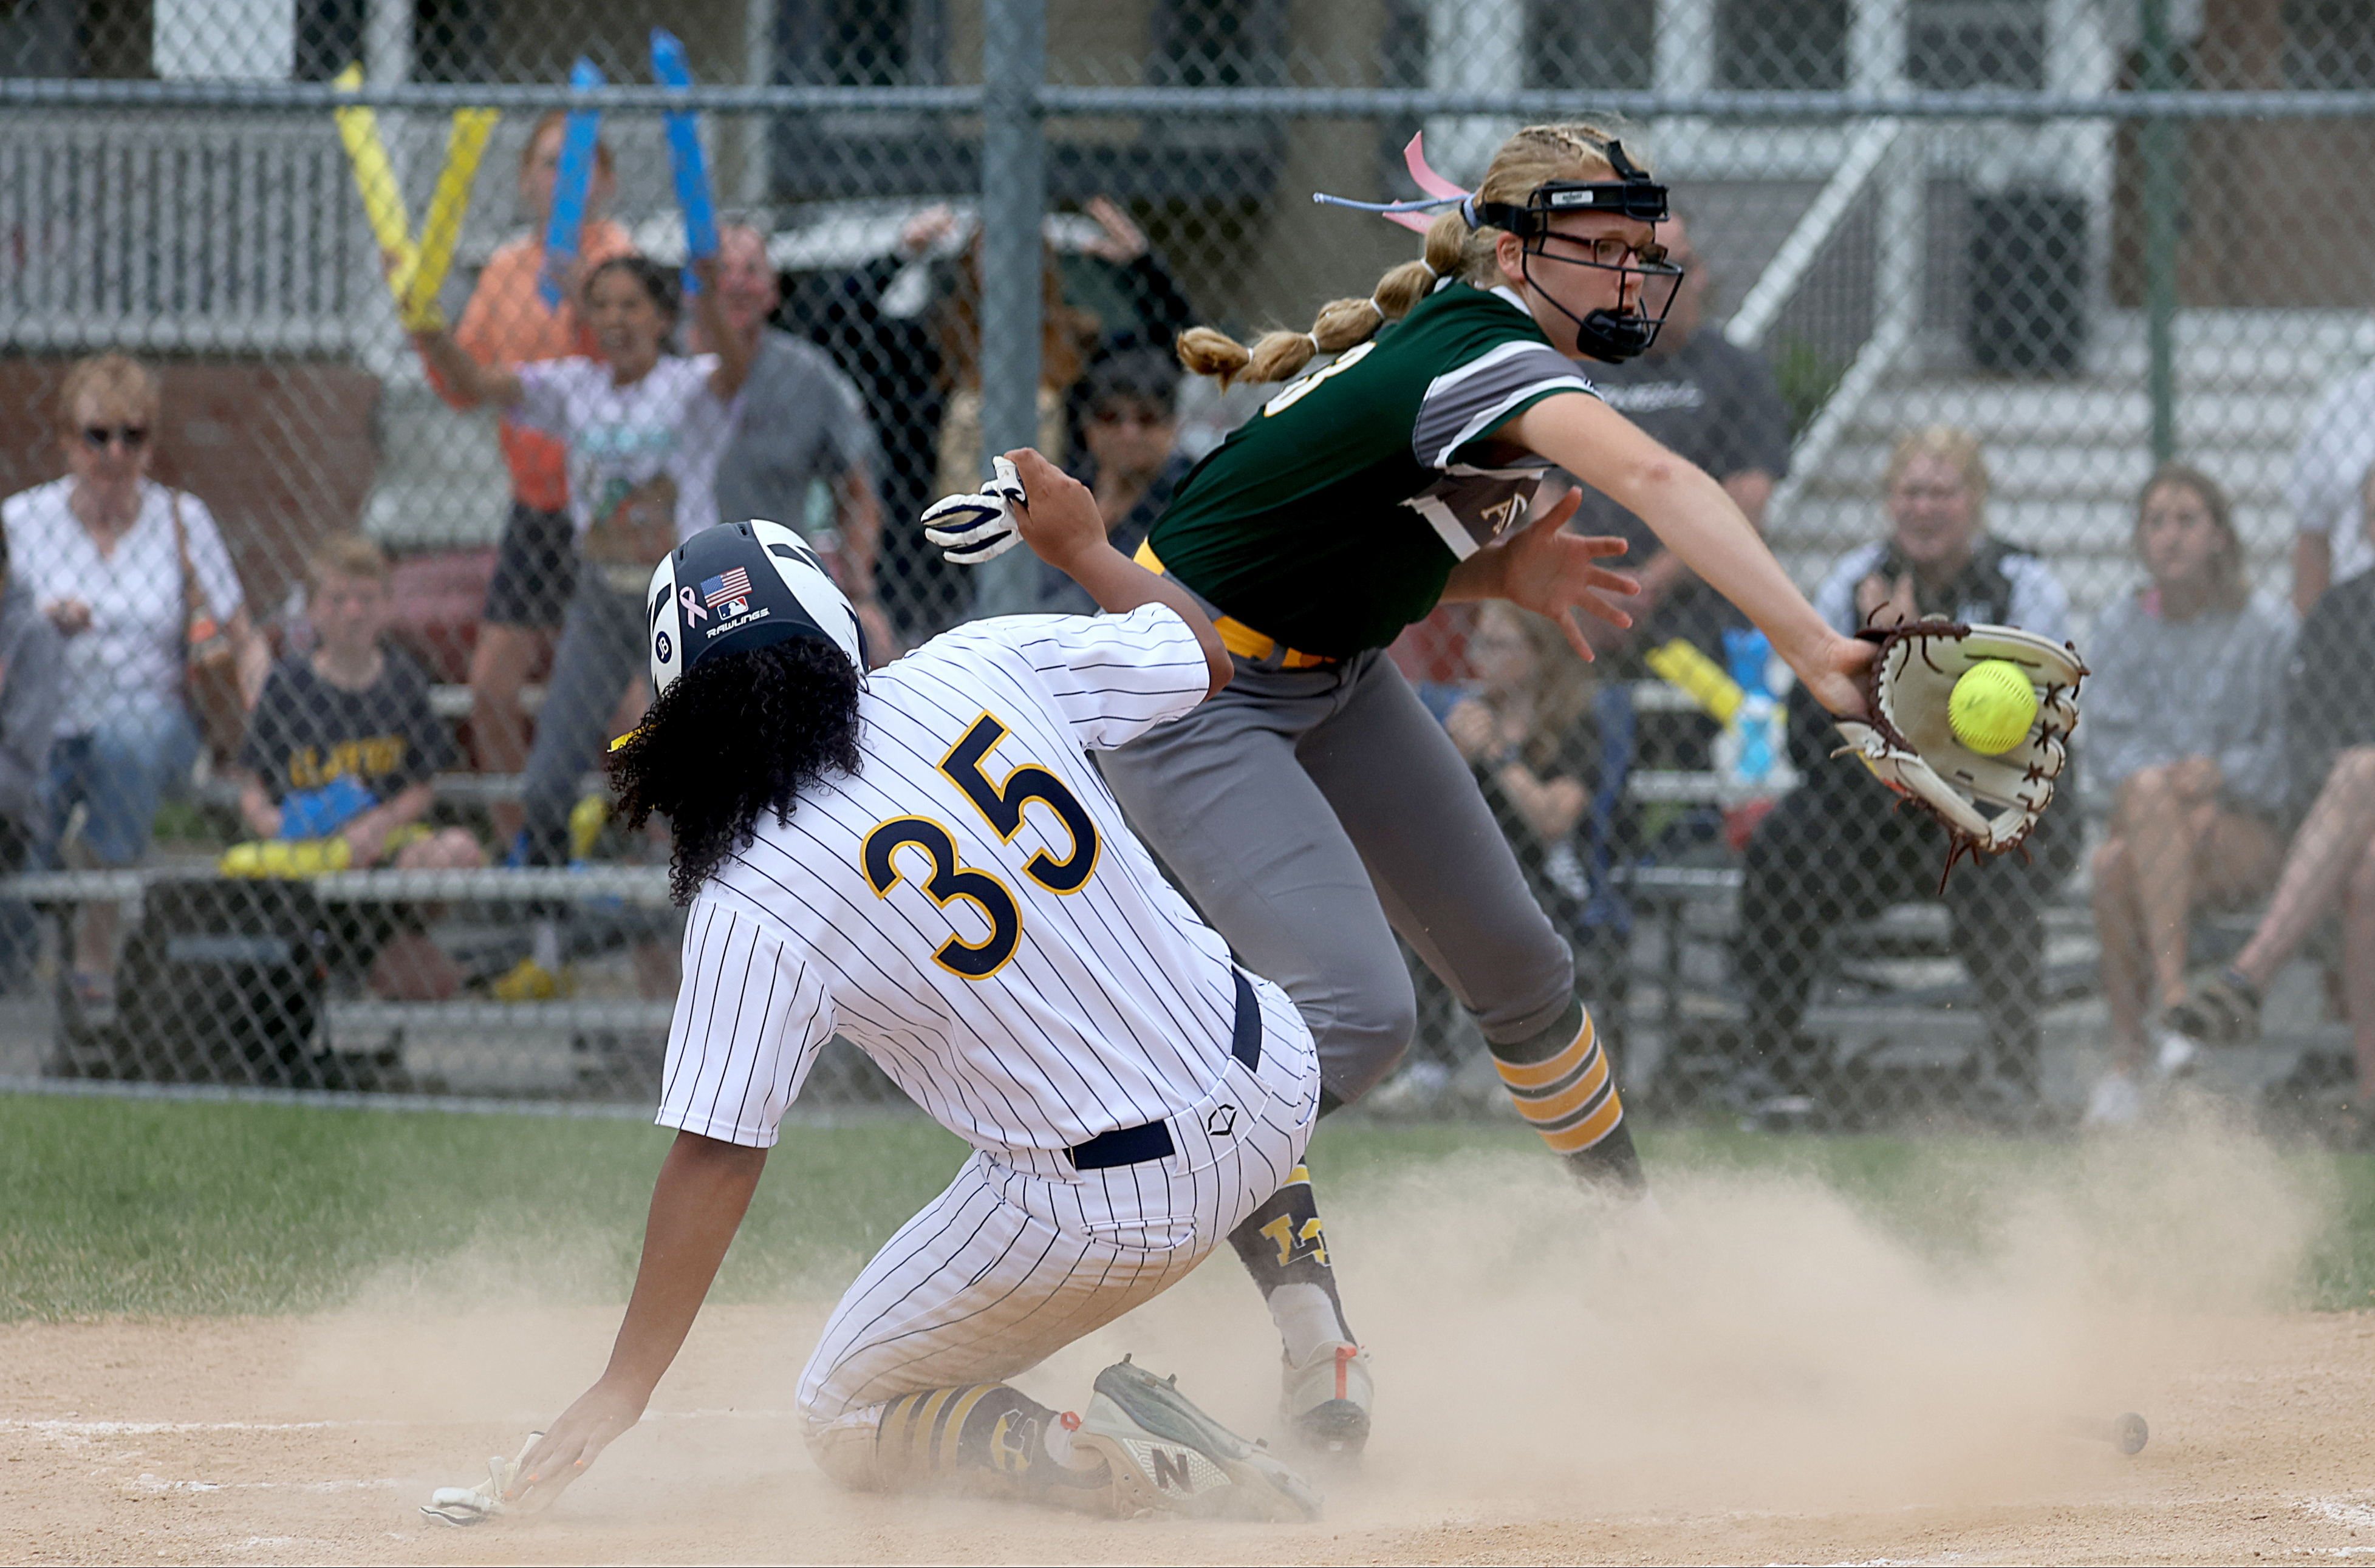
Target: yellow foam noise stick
[(465, 144), (376, 178), (1682, 664)]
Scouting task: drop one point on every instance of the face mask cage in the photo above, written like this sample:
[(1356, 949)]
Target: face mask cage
[(1611, 335)]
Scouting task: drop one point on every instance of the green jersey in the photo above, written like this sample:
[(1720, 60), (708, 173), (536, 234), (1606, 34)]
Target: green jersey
[(1331, 519)]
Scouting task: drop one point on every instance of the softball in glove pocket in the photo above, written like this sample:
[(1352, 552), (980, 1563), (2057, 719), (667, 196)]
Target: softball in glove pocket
[(1989, 804)]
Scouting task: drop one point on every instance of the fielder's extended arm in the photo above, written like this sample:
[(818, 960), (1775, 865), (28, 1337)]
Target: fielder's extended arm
[(705, 1187), (1063, 528), (1693, 517)]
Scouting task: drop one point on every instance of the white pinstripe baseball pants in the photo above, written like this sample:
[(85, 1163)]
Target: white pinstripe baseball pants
[(1022, 1255)]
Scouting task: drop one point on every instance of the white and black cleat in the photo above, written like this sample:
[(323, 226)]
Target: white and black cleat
[(1168, 1456)]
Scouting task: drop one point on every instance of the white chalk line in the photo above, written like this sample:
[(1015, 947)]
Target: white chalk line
[(63, 1428)]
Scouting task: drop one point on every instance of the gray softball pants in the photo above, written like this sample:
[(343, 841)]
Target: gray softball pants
[(1303, 810)]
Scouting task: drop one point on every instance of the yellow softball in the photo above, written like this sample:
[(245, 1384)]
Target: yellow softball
[(1993, 706)]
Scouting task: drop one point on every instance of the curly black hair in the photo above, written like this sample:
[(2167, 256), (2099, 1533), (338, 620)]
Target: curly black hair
[(737, 734)]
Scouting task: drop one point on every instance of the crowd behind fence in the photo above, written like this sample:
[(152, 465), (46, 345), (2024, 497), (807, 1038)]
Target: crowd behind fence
[(1963, 277)]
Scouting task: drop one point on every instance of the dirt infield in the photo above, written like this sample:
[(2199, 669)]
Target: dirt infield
[(1779, 1380)]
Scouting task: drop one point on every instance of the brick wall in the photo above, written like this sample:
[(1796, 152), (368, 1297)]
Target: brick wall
[(280, 454)]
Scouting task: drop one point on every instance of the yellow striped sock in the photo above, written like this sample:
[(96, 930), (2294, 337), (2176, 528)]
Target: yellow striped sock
[(1570, 1098)]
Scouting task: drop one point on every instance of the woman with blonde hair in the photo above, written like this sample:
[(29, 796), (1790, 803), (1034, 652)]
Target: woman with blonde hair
[(1835, 850), (2185, 748), (1314, 808), (111, 558)]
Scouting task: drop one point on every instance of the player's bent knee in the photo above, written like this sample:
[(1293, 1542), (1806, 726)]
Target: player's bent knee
[(1367, 1042)]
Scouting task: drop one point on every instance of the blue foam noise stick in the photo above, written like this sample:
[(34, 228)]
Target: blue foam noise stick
[(669, 69), (575, 176)]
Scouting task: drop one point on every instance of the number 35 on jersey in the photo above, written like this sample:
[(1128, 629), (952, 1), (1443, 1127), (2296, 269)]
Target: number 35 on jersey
[(945, 879)]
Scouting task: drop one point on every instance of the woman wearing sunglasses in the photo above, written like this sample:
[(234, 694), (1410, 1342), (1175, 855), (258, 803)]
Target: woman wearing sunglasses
[(104, 551)]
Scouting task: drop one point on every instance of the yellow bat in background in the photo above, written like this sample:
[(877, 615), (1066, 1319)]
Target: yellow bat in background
[(417, 271)]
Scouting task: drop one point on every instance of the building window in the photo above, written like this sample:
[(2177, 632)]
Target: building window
[(1954, 45), (1781, 45), (2329, 45), (1611, 45)]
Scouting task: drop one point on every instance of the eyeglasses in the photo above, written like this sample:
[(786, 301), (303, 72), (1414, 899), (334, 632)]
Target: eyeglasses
[(134, 437), (1610, 251), (1115, 414)]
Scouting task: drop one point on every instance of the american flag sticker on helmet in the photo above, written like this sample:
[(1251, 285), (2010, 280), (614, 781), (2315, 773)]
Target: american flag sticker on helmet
[(731, 584)]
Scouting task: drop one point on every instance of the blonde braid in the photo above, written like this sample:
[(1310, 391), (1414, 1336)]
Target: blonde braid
[(1532, 156)]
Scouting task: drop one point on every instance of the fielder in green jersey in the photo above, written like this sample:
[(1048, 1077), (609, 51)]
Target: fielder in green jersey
[(1313, 808)]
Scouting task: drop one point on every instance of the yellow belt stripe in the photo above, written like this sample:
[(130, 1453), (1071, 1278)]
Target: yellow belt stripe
[(1590, 1130), (1238, 638), (1567, 1101), (1534, 1075)]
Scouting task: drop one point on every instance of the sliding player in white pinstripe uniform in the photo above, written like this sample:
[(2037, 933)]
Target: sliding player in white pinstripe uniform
[(928, 863)]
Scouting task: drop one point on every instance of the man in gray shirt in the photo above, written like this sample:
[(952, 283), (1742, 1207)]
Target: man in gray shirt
[(1714, 404), (801, 426)]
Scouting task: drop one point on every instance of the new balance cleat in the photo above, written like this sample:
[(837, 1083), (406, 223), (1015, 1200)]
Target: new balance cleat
[(1169, 1456), (1326, 1401)]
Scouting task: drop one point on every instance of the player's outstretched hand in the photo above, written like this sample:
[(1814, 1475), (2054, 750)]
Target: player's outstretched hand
[(1057, 515), (573, 1443), (1554, 572), (970, 529), (1836, 672)]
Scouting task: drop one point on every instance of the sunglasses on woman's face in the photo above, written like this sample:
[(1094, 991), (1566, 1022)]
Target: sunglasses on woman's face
[(134, 437)]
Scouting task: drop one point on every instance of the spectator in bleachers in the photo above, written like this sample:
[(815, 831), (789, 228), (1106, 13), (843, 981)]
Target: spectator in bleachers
[(343, 743), (2184, 744), (874, 320), (802, 428), (645, 429), (1527, 732), (1067, 337), (109, 557), (1129, 464), (1835, 850), (33, 674), (2330, 747), (2329, 466), (507, 324), (1716, 404)]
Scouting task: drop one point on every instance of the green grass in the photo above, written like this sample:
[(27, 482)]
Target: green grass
[(126, 1207)]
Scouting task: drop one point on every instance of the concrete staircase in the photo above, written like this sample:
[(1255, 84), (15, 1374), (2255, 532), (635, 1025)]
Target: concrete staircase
[(2067, 455)]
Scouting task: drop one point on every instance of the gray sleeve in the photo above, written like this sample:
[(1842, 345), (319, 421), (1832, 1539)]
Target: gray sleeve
[(30, 696), (2112, 731), (2253, 765), (848, 429), (2039, 603), (1465, 403)]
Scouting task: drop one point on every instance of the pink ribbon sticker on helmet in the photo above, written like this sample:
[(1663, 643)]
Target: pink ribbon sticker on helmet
[(693, 609)]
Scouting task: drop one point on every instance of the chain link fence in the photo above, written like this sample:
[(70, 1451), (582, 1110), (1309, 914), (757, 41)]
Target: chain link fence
[(1964, 274)]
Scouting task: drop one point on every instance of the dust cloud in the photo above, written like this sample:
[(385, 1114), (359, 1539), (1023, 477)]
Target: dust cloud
[(1774, 1346)]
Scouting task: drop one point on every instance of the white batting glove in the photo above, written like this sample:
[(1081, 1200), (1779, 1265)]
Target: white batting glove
[(475, 1505), (971, 529)]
